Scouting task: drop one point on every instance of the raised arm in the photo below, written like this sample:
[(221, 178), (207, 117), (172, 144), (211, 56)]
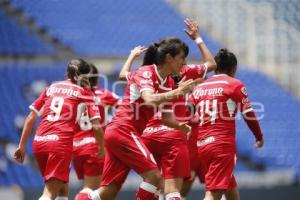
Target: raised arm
[(135, 53), (28, 125), (193, 32)]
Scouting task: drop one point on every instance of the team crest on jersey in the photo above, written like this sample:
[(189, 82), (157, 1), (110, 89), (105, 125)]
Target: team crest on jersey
[(244, 91), (97, 100), (147, 74)]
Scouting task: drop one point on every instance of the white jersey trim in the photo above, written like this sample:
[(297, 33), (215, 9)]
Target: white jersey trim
[(205, 70), (146, 89), (214, 82), (165, 88), (166, 110), (247, 110), (96, 117), (127, 75), (162, 81), (139, 145), (31, 107)]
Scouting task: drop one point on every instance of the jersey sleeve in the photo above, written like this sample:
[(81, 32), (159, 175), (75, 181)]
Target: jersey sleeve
[(89, 99), (110, 98), (38, 104), (240, 96), (144, 80), (194, 71)]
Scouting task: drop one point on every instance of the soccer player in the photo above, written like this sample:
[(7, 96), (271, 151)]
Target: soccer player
[(52, 145), (144, 93), (88, 155), (169, 145), (217, 101)]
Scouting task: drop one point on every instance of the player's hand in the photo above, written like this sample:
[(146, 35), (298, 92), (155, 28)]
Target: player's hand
[(192, 28), (185, 128), (19, 155), (259, 143), (186, 86), (137, 51)]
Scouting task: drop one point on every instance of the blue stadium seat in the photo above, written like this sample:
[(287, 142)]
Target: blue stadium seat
[(109, 28), (18, 40)]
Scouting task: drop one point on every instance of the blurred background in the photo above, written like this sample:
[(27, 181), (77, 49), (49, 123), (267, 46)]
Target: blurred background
[(38, 37)]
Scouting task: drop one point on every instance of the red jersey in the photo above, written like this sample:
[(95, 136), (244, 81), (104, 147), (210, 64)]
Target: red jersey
[(217, 101), (60, 115), (178, 105), (84, 141), (132, 112)]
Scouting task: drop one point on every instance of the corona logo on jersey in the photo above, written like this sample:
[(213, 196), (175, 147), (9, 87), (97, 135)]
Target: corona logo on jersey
[(67, 91), (213, 91)]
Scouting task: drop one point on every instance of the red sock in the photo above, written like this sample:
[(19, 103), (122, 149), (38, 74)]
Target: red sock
[(146, 192)]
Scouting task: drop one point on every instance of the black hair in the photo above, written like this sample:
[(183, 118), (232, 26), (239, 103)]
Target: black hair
[(226, 61), (94, 77), (76, 68), (156, 53)]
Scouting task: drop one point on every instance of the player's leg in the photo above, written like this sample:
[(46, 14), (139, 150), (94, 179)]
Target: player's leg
[(93, 168), (55, 170), (218, 178), (175, 167), (172, 188), (213, 194), (185, 189), (52, 187), (91, 182), (139, 158), (233, 192), (63, 192)]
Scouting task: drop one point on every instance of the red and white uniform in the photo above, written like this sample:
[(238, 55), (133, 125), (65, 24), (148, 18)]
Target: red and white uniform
[(124, 148), (54, 136), (217, 101), (85, 147), (168, 145)]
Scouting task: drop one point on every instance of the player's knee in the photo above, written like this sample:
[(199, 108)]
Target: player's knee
[(153, 178)]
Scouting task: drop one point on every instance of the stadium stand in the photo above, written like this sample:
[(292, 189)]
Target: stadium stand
[(292, 17), (18, 40), (91, 27)]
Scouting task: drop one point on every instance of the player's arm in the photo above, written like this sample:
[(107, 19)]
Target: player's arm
[(193, 32), (99, 133), (35, 108), (253, 124), (168, 119), (245, 107), (135, 53), (28, 125), (152, 98)]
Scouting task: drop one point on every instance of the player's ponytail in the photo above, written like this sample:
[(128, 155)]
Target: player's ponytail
[(150, 54), (226, 61), (76, 70)]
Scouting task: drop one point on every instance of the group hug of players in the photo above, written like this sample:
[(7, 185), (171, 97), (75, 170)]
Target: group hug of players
[(171, 126)]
